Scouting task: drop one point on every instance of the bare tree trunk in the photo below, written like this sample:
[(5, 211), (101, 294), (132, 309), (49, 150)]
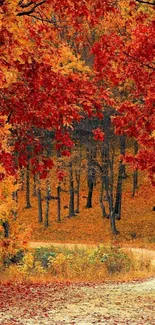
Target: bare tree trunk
[(34, 185), (48, 196), (111, 172), (91, 176), (59, 202), (5, 225), (105, 174), (121, 176), (71, 191), (28, 204), (113, 223), (78, 179), (90, 194), (40, 213), (104, 215), (110, 199), (77, 174), (108, 175), (118, 200), (22, 176), (135, 173), (122, 151)]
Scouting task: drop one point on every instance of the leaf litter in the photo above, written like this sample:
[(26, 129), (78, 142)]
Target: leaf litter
[(80, 304)]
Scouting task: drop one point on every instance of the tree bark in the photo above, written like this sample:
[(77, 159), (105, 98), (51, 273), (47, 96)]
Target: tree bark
[(90, 194), (5, 225), (104, 215), (123, 151), (40, 213), (48, 196), (118, 201), (59, 202), (28, 204), (113, 223), (78, 192), (121, 176), (91, 176), (22, 176), (71, 191), (105, 174), (34, 185), (135, 173)]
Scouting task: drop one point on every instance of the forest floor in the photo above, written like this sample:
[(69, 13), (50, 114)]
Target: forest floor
[(78, 304), (89, 227), (60, 303)]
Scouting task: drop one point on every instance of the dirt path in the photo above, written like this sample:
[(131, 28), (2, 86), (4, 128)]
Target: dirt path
[(67, 245)]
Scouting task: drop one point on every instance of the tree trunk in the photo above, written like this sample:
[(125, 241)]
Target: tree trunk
[(59, 202), (28, 204), (105, 174), (48, 196), (78, 192), (113, 223), (121, 176), (108, 174), (40, 214), (90, 193), (108, 193), (5, 225), (111, 173), (91, 176), (122, 151), (104, 215), (71, 191), (135, 173), (118, 200), (34, 185), (22, 176)]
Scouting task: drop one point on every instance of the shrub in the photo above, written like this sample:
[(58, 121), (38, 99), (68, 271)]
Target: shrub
[(15, 273), (28, 262), (38, 268), (14, 259), (116, 261), (43, 254)]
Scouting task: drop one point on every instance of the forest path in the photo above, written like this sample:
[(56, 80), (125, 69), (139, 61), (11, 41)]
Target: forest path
[(39, 244)]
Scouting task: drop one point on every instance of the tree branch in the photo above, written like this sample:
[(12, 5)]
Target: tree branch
[(32, 10), (141, 63), (26, 5), (9, 116), (146, 2)]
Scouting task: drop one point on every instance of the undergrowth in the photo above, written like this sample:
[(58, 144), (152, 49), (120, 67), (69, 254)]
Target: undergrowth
[(91, 264)]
